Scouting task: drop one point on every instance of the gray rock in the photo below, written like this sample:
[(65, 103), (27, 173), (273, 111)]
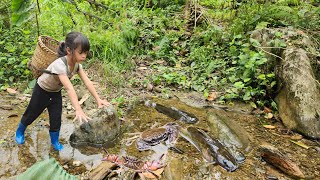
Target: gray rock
[(102, 130), (298, 78), (299, 97)]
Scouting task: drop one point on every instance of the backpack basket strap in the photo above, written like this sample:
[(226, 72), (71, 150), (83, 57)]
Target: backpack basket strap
[(78, 67), (64, 59)]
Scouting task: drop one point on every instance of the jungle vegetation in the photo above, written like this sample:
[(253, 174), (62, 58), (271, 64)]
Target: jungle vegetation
[(200, 45)]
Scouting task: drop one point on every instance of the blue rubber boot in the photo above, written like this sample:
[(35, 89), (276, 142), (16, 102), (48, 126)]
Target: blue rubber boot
[(20, 133), (54, 136)]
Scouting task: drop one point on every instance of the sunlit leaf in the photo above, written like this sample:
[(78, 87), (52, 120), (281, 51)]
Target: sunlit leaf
[(253, 105), (301, 144), (239, 84), (269, 126)]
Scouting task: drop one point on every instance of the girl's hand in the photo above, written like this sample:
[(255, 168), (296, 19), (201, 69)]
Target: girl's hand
[(102, 103), (81, 116)]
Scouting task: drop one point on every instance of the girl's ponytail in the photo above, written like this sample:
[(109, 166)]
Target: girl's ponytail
[(62, 51)]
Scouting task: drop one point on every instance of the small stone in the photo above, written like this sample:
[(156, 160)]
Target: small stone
[(76, 163), (149, 87), (158, 89), (69, 107), (268, 116)]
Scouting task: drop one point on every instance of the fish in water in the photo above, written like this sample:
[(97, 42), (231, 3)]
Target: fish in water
[(173, 112), (212, 150)]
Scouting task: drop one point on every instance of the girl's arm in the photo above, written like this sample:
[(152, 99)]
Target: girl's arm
[(80, 115), (91, 88)]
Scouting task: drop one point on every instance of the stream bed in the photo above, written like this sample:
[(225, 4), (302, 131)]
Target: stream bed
[(15, 159)]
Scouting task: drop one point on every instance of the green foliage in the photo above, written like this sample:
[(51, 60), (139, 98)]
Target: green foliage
[(216, 53), (21, 11), (16, 48)]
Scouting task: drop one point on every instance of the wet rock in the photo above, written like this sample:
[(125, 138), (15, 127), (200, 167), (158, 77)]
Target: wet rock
[(173, 170), (230, 133), (102, 130), (274, 157), (102, 171), (193, 99), (76, 163), (299, 97)]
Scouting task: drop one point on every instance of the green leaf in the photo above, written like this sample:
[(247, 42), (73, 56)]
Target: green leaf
[(21, 11), (262, 76), (247, 96), (273, 83), (253, 105), (206, 93), (239, 85), (32, 83), (270, 75), (262, 25), (11, 78), (274, 105), (246, 79)]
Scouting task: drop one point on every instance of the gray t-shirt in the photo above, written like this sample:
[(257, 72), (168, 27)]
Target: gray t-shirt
[(51, 83)]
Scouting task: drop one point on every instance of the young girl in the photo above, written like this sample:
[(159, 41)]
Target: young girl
[(47, 91)]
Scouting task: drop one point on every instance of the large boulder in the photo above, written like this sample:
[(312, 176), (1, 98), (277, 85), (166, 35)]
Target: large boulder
[(298, 74), (102, 130), (299, 96)]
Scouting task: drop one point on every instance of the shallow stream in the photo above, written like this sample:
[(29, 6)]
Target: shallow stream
[(15, 159)]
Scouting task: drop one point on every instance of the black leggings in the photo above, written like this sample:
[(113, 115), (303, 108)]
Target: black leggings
[(40, 100)]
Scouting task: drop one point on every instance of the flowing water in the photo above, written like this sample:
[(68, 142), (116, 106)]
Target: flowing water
[(15, 159)]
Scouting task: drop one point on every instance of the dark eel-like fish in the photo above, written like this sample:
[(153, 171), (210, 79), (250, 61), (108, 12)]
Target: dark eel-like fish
[(212, 150), (173, 112)]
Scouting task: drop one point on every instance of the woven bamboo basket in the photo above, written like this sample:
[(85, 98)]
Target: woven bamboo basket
[(45, 53)]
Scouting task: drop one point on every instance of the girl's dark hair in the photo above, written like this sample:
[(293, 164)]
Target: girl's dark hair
[(74, 40)]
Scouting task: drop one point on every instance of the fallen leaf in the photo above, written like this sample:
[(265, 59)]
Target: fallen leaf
[(269, 126), (160, 62), (142, 68), (84, 98), (212, 96), (22, 98), (149, 175), (296, 137), (301, 144), (11, 91), (267, 110)]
